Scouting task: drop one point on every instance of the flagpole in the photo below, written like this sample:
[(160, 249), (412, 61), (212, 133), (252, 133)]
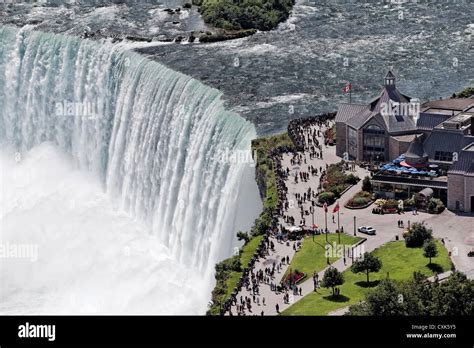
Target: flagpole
[(338, 228), (326, 222)]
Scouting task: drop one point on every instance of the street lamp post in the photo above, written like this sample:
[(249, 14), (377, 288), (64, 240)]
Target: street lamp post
[(354, 225)]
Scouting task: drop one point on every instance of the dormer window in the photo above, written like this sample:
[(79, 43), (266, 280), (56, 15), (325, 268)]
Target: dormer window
[(390, 79)]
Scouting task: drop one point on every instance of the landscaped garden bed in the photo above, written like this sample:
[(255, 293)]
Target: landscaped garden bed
[(360, 200), (335, 183), (386, 206), (434, 206), (294, 277)]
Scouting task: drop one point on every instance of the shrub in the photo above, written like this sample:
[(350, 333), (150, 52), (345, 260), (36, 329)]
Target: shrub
[(327, 197), (417, 235), (407, 203), (352, 179), (360, 201), (390, 204), (367, 184), (435, 206), (336, 189), (230, 264), (364, 194), (466, 93), (361, 198), (380, 202)]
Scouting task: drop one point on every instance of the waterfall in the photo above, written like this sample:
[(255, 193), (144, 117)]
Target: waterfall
[(155, 137)]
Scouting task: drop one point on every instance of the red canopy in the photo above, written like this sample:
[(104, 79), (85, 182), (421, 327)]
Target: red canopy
[(419, 165)]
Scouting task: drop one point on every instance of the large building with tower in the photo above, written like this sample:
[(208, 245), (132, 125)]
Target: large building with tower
[(417, 146)]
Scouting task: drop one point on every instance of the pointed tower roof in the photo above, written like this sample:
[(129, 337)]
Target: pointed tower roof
[(390, 75), (416, 151), (384, 108)]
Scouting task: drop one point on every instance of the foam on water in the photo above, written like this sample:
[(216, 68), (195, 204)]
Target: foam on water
[(91, 258), (153, 141)]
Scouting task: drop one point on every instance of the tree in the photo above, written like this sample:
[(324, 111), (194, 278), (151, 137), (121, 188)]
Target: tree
[(332, 278), (367, 184), (419, 297), (243, 236), (429, 249), (366, 264), (326, 197), (455, 296), (384, 300), (417, 234)]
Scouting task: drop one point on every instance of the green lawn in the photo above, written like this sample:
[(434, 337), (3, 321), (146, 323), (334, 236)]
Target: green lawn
[(398, 262), (231, 282), (311, 257), (247, 252)]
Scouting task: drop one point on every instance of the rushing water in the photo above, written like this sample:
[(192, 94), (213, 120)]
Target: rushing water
[(300, 68), (140, 161), (159, 143)]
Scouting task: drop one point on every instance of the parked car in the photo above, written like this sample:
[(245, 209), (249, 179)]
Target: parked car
[(367, 230)]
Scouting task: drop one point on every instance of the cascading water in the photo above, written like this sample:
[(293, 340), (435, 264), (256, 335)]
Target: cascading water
[(157, 140)]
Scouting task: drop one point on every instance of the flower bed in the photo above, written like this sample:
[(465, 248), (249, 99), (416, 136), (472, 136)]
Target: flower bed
[(360, 200), (294, 277), (386, 206), (336, 181)]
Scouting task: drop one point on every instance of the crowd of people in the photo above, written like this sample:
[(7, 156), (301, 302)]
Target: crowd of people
[(250, 280), (306, 200), (253, 279), (297, 128), (305, 134)]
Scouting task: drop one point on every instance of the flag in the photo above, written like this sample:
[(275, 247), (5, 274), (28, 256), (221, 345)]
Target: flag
[(325, 206), (336, 208), (348, 88)]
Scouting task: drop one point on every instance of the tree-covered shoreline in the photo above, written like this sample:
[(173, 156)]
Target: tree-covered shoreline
[(244, 14)]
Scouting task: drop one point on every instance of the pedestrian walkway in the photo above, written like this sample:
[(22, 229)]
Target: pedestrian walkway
[(387, 230)]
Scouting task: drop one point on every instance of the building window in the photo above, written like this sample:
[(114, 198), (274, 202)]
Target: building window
[(444, 156), (374, 143), (352, 141)]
